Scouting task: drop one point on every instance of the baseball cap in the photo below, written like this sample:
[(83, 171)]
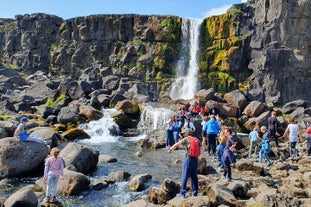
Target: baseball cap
[(24, 119)]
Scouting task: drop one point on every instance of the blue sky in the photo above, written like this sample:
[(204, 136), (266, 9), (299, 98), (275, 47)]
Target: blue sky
[(74, 8)]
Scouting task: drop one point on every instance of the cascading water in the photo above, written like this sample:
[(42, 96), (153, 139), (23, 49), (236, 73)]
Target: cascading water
[(185, 84)]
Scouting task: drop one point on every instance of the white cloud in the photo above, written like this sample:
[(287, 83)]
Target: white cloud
[(217, 11), (243, 1)]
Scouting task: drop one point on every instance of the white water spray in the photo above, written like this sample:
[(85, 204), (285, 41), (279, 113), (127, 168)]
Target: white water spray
[(187, 68)]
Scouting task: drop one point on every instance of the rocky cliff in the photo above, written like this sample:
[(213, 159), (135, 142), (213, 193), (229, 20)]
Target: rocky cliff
[(261, 47)]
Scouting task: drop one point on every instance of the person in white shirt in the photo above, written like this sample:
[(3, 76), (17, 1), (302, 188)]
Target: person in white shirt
[(292, 132)]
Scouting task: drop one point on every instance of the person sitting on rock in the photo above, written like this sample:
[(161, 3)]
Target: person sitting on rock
[(21, 135)]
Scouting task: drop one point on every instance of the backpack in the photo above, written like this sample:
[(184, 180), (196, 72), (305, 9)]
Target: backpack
[(194, 149), (266, 146)]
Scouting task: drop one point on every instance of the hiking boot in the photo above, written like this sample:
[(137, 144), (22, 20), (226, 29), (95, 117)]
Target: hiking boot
[(46, 199)]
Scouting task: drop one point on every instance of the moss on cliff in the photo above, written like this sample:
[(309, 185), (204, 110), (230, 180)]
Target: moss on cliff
[(220, 51)]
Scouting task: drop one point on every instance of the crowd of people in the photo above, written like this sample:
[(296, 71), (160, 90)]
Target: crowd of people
[(221, 141)]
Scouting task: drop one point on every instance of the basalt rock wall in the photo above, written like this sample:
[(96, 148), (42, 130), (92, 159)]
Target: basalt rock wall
[(261, 47)]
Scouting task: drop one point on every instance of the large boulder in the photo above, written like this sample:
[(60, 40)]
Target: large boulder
[(84, 158), (20, 158), (45, 133), (22, 198), (137, 183)]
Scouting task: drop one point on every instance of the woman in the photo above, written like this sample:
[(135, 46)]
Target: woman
[(54, 166), (292, 132), (21, 135)]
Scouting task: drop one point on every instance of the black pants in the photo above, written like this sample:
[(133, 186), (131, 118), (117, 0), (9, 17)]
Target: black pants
[(309, 144), (211, 143)]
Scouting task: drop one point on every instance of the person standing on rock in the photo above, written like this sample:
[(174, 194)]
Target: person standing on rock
[(253, 140), (292, 133), (308, 137), (21, 135), (228, 156), (273, 125), (190, 166), (53, 169), (265, 145), (212, 128)]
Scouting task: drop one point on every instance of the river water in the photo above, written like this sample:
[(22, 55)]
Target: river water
[(157, 163)]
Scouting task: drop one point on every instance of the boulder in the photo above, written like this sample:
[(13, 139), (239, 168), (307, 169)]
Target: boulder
[(73, 183), (24, 198), (107, 159), (67, 115), (74, 133), (219, 194), (236, 98), (20, 158), (84, 158), (90, 113), (253, 109), (137, 183), (117, 177), (46, 133)]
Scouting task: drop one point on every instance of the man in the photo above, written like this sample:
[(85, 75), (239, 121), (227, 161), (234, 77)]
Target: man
[(273, 125), (190, 166), (211, 128), (21, 135)]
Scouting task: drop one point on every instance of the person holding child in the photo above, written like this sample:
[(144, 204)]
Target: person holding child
[(265, 146)]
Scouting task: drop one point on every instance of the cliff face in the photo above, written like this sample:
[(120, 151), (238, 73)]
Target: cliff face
[(261, 47), (120, 42), (281, 50)]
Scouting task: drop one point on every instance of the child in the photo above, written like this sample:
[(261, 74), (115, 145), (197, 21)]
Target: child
[(53, 169), (253, 139), (265, 146)]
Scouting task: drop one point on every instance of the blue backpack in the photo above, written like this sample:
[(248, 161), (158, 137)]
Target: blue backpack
[(266, 146)]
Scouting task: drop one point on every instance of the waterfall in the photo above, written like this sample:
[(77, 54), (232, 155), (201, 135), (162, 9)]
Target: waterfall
[(153, 117), (185, 84), (102, 130)]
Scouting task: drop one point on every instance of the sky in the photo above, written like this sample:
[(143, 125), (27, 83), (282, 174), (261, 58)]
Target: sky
[(67, 9)]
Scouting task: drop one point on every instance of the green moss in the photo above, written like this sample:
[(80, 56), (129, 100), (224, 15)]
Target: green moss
[(52, 103), (220, 81), (173, 28), (62, 27)]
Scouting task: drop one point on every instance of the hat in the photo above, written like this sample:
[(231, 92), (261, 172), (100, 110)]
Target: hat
[(24, 119), (185, 130)]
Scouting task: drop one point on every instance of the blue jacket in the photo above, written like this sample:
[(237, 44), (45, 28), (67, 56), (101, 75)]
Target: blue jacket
[(211, 127)]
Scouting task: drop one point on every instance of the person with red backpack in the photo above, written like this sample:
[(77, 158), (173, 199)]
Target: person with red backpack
[(308, 136), (190, 166)]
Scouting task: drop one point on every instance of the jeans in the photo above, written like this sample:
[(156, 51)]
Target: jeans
[(265, 154), (34, 139), (228, 158), (220, 152), (176, 136), (169, 135), (190, 169), (292, 149), (52, 185)]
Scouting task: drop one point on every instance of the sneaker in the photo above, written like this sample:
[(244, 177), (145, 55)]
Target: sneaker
[(182, 195), (55, 200), (223, 177), (229, 180), (46, 199), (269, 164), (168, 147)]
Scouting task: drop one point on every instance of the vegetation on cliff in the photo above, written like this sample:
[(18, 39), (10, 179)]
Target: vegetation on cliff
[(221, 55)]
